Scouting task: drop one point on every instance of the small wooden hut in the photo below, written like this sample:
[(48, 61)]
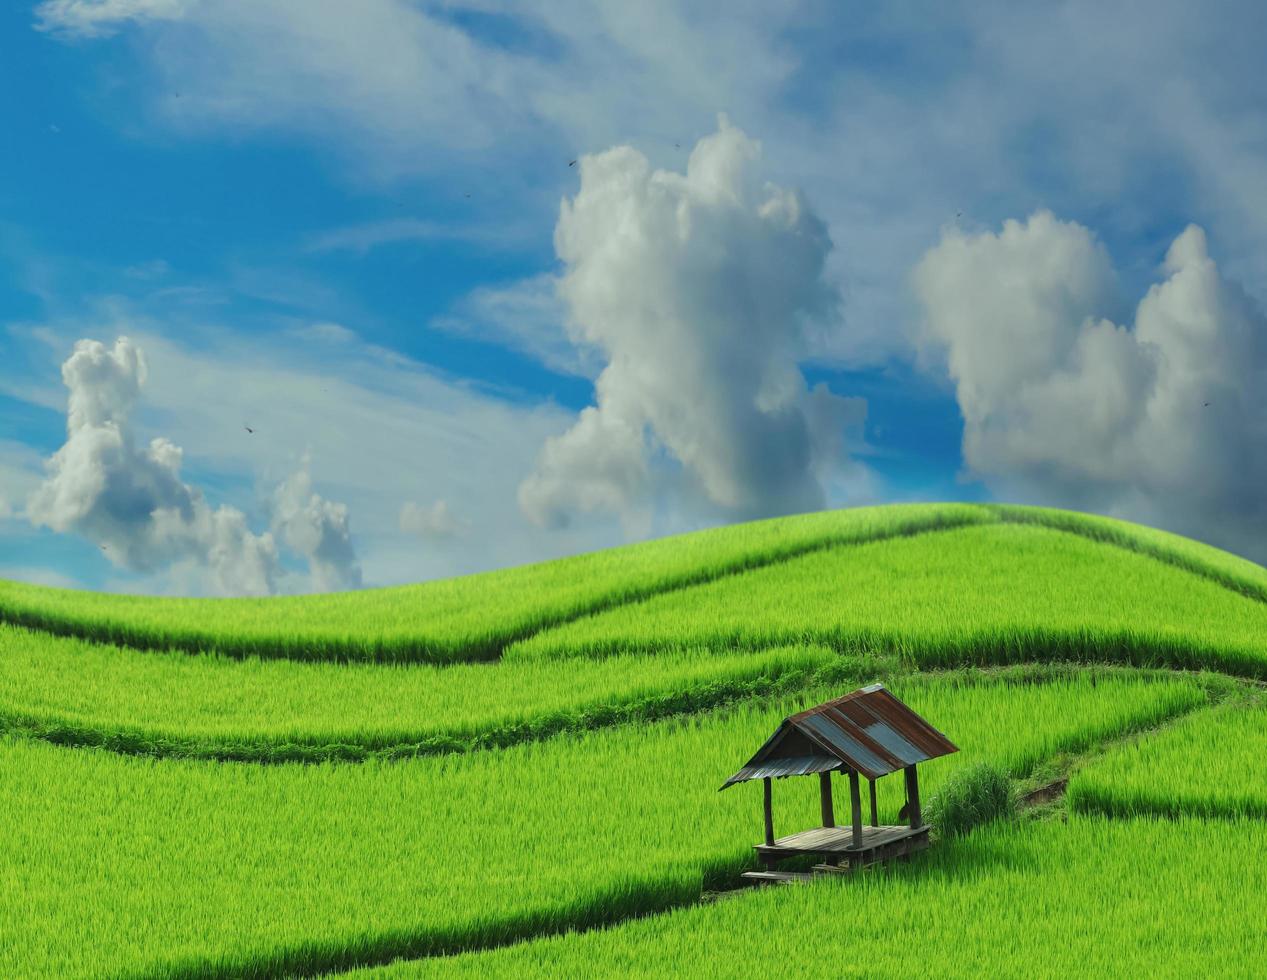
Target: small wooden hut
[(866, 733)]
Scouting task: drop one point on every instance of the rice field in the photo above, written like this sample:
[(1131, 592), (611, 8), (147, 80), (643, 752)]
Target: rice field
[(281, 787), (466, 618), (238, 869), (74, 692), (1209, 764), (1020, 592), (1089, 898)]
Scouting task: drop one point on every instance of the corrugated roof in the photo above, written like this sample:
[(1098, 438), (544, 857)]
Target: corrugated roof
[(869, 730)]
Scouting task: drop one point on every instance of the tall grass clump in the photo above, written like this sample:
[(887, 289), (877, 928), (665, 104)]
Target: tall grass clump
[(977, 794)]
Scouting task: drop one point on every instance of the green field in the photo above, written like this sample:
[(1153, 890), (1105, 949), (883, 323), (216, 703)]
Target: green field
[(1090, 898), (1210, 763), (285, 787)]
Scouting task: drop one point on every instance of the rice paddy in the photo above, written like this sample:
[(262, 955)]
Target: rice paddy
[(1089, 898), (206, 706), (457, 766), (467, 618), (262, 868), (1020, 592), (1209, 764)]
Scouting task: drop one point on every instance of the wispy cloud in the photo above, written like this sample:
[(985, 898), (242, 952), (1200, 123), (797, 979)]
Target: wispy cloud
[(38, 575), (434, 523), (527, 316), (97, 18), (362, 238)]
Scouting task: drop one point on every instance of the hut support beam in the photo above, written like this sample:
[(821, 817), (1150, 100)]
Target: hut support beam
[(769, 813), (875, 817), (912, 797), (824, 789), (855, 807)]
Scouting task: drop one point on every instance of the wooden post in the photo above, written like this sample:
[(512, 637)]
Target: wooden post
[(824, 790), (912, 797), (769, 814), (855, 807), (875, 818)]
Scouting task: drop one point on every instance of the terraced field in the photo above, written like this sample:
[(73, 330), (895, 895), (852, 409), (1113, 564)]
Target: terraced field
[(521, 767)]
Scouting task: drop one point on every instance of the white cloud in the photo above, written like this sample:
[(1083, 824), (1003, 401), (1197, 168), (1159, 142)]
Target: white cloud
[(132, 503), (436, 523), (405, 88), (318, 530), (381, 429), (696, 288), (1064, 405), (97, 18)]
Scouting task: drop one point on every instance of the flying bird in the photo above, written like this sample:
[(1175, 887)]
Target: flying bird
[(677, 146), (248, 428), (1207, 405), (466, 195), (570, 164)]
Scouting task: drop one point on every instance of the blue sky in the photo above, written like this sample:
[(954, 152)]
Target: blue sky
[(824, 255)]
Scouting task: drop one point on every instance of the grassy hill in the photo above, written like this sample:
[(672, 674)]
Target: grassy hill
[(280, 787)]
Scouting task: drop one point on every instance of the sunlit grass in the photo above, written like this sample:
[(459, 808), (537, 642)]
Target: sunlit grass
[(1208, 764), (467, 618), (1087, 898), (76, 692), (978, 595), (114, 865)]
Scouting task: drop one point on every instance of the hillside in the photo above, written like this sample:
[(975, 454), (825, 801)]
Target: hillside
[(274, 787)]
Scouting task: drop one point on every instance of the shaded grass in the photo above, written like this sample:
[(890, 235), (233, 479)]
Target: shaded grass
[(1083, 898), (1021, 592), (1207, 764), (254, 871), (460, 619)]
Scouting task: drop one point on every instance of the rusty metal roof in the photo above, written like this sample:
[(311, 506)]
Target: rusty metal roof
[(868, 730)]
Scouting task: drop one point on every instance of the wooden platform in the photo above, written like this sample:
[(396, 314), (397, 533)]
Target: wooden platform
[(834, 843)]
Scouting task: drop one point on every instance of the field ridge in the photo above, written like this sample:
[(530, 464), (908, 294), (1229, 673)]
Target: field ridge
[(495, 643)]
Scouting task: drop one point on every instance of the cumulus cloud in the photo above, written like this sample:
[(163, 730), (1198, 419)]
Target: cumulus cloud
[(96, 18), (317, 529), (697, 290), (436, 523), (1063, 404), (131, 501)]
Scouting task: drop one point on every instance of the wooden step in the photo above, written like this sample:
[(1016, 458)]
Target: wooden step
[(776, 877)]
